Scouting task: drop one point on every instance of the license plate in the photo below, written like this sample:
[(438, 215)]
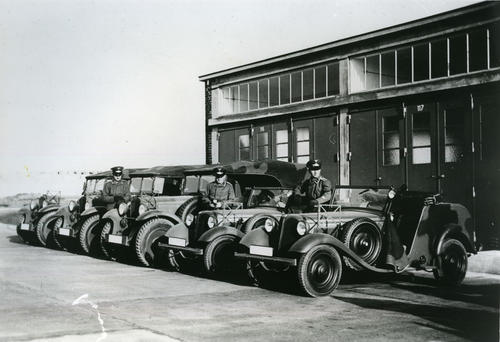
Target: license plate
[(115, 239), (260, 250), (176, 242), (64, 231), (25, 226)]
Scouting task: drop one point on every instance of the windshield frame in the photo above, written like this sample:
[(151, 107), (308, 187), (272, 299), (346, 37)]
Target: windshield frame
[(369, 197), (284, 191)]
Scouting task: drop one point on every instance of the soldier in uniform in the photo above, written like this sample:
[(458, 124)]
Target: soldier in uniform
[(219, 190), (316, 189), (117, 189)]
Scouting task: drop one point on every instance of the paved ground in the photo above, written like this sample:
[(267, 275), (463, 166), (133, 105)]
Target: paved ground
[(59, 296)]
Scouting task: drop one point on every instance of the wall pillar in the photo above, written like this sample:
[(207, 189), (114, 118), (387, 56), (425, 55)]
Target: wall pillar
[(344, 157)]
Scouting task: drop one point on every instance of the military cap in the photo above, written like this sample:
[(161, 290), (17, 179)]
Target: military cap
[(314, 164), (117, 170), (219, 172)]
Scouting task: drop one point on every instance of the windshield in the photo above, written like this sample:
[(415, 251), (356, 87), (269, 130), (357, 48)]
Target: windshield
[(361, 197), (147, 185), (135, 185), (275, 198), (169, 186), (89, 186), (205, 180)]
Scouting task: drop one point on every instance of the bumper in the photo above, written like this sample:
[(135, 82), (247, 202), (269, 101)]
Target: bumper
[(195, 251), (287, 261)]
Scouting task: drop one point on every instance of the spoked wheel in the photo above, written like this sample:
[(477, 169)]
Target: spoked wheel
[(451, 263), (363, 237), (89, 234), (219, 255), (319, 271), (43, 229), (146, 242)]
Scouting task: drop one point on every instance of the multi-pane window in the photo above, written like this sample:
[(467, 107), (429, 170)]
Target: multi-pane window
[(443, 57), (244, 147), (300, 85), (390, 140), (453, 135), (421, 138), (303, 142), (281, 138), (262, 145)]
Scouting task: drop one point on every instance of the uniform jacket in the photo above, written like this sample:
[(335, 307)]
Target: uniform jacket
[(114, 188), (220, 192), (319, 189)]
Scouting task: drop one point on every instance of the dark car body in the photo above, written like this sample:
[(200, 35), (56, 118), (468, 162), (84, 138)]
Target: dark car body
[(226, 225), (370, 230)]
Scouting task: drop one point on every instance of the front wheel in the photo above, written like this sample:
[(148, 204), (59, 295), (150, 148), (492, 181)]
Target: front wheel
[(89, 233), (451, 263), (146, 241), (219, 254), (43, 228), (319, 271)]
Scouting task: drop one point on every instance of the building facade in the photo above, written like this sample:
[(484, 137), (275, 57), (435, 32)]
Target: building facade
[(414, 104)]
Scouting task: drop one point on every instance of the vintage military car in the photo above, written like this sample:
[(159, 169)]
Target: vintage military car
[(214, 235), (33, 219), (373, 229), (161, 197), (64, 226)]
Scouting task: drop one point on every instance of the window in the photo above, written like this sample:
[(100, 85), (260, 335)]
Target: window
[(226, 103), (421, 62), (253, 96), (388, 68), (285, 89), (439, 63), (307, 84), (333, 79), (263, 93), (320, 82), (262, 145), (297, 86), (494, 31), (244, 147), (244, 97), (357, 74), (458, 55), (373, 72), (302, 144), (478, 56), (281, 144), (453, 135), (234, 93), (404, 65), (390, 140), (274, 91), (421, 138)]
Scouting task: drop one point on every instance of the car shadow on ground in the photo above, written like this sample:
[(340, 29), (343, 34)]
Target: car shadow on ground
[(473, 324)]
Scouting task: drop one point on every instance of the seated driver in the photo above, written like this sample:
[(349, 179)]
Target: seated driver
[(116, 190), (316, 189), (219, 190)]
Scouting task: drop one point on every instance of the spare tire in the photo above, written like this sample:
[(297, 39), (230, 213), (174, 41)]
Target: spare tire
[(363, 237)]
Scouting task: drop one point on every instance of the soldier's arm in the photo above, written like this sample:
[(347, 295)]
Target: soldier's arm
[(299, 189), (107, 197), (326, 194)]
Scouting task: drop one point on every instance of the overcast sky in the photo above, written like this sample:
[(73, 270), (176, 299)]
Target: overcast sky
[(90, 84)]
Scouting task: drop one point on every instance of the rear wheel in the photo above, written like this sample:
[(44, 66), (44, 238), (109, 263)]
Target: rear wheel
[(44, 228), (319, 271), (363, 237), (219, 254), (146, 242), (451, 263), (89, 234)]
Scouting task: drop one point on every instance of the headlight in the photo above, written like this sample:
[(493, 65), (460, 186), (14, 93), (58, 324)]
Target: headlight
[(87, 205), (44, 203), (59, 222), (391, 194), (122, 208), (71, 206), (33, 204), (211, 222), (189, 219), (142, 209), (269, 225), (301, 228)]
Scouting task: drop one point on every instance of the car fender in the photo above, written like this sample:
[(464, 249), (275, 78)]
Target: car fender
[(214, 233), (94, 210), (63, 211), (306, 243), (48, 209), (179, 231), (115, 218), (455, 231), (158, 214), (257, 237)]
